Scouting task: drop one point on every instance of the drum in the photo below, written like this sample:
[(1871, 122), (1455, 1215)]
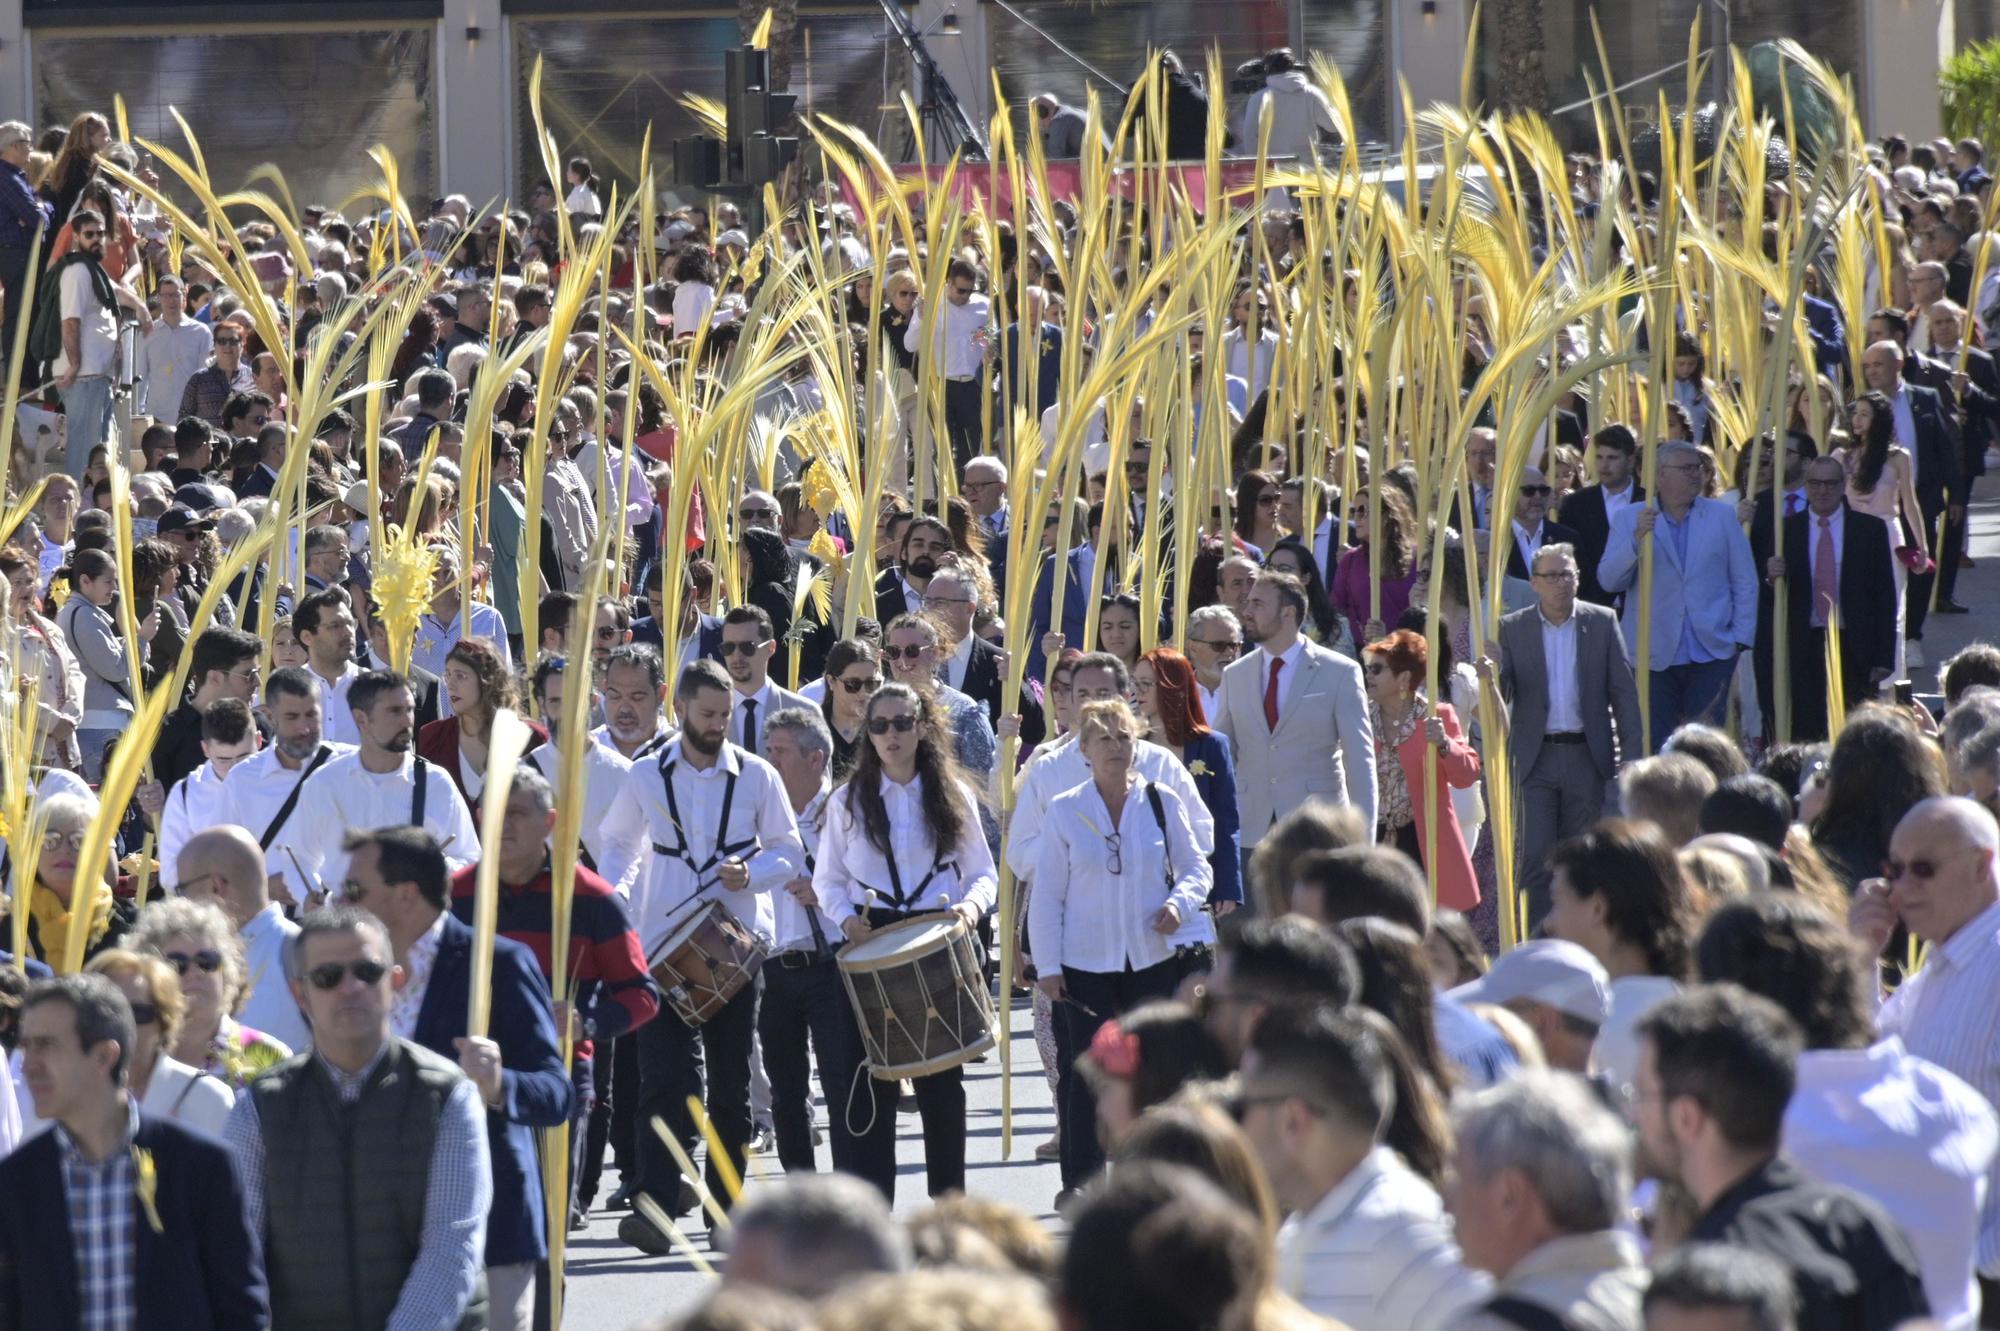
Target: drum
[(705, 962), (919, 995)]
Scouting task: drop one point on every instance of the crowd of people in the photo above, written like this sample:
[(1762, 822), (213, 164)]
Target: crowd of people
[(1742, 1073)]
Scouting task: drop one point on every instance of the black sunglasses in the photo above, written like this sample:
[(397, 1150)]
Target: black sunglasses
[(740, 648), (905, 653), (1535, 491), (328, 975), (208, 959), (868, 685), (902, 724)]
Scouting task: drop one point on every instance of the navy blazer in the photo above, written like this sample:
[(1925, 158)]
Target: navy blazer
[(204, 1269), (1939, 469), (1216, 784), (535, 1086), (1075, 609)]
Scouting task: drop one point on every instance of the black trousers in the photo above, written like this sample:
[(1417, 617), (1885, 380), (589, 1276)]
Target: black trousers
[(614, 1073), (712, 1063), (1106, 994), (805, 1004), (964, 400), (13, 274), (940, 1103), (1917, 590)]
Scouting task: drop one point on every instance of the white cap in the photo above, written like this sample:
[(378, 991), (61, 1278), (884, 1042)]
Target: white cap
[(1550, 971), (733, 237)]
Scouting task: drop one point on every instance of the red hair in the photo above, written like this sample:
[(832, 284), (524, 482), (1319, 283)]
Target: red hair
[(1176, 696), (1405, 652)]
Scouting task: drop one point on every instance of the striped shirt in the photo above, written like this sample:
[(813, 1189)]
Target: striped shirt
[(103, 1214), (1949, 1013)]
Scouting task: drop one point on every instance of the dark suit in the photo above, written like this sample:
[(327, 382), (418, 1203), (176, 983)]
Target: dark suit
[(203, 1269), (1979, 428), (535, 1086), (1867, 622), (1583, 513), (1041, 609), (1553, 533), (889, 598), (258, 484), (425, 687), (984, 682), (1940, 482), (1560, 785)]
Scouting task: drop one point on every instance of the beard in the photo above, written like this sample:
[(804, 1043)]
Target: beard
[(300, 749), (399, 742), (923, 566), (1250, 634), (705, 745)]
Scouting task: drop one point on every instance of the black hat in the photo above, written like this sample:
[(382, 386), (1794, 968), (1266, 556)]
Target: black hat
[(203, 499), (182, 518)]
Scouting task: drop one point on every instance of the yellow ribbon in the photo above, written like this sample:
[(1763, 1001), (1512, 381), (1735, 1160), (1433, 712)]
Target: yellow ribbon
[(149, 1187)]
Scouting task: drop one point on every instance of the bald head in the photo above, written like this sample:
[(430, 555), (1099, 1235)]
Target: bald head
[(1946, 847), (1882, 367), (224, 864)]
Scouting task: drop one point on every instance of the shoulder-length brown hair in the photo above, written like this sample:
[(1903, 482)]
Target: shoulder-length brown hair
[(944, 814)]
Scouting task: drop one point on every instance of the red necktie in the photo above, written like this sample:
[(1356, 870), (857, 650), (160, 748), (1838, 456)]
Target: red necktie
[(1826, 582), (1271, 693)]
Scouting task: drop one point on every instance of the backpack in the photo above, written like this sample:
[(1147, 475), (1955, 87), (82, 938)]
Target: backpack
[(45, 332)]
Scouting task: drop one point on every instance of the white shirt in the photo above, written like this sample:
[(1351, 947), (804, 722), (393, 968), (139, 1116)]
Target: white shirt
[(1949, 1014), (10, 1110), (1616, 1053), (1913, 1137), (582, 199), (1472, 1044), (1376, 1253), (604, 770), (766, 701), (849, 865), (1529, 543), (343, 796), (191, 806), (792, 922), (99, 326), (270, 1007), (1088, 917), (1208, 699), (181, 1093), (1616, 501), (958, 662), (1286, 676), (958, 356), (1836, 525), (251, 798), (1559, 663), (436, 637), (336, 719), (169, 356), (1062, 767), (1251, 361), (760, 824), (692, 300), (607, 472)]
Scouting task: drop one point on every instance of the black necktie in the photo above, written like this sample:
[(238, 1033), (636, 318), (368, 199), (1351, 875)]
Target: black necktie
[(750, 724)]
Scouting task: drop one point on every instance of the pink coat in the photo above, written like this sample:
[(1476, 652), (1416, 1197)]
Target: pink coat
[(1457, 765)]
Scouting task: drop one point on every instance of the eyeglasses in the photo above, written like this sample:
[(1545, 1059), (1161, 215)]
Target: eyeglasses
[(1223, 646), (1827, 483), (328, 975), (868, 685), (57, 840), (1536, 491), (946, 600), (208, 959), (1115, 843), (902, 724), (963, 291), (1374, 668), (1269, 499), (905, 653), (228, 341), (145, 1014), (1137, 468), (89, 235), (607, 633), (754, 514), (182, 888), (252, 675), (741, 648), (1920, 869)]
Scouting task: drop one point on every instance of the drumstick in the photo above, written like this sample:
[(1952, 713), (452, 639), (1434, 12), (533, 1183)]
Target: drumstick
[(693, 1176), (651, 1210)]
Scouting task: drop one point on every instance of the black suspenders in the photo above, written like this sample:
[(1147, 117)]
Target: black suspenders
[(420, 790), (724, 848), (904, 901)]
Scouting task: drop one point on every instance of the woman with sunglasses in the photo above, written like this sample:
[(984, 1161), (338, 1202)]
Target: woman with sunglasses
[(1117, 874), (1405, 724), (1170, 705), (164, 1086), (902, 839), (1399, 535), (58, 903), (853, 673), (1258, 496), (206, 952)]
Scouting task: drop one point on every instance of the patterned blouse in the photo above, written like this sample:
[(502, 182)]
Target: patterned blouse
[(238, 1055), (1393, 792)]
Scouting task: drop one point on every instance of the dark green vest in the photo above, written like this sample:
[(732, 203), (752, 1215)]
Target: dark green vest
[(344, 1186)]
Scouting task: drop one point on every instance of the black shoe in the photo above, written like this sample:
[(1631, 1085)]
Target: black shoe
[(1947, 606), (620, 1200), (635, 1231), (686, 1199), (1065, 1200)]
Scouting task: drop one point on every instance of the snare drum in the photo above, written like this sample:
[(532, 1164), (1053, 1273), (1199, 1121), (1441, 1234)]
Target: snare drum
[(705, 962), (919, 995)]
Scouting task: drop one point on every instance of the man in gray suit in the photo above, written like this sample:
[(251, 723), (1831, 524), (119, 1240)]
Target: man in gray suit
[(748, 644), (1295, 714), (1571, 714)]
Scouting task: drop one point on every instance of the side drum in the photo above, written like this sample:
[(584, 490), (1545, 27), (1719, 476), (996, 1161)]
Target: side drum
[(705, 962), (919, 995)]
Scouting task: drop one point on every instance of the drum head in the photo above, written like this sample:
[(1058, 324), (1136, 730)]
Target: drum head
[(905, 936), (690, 924)]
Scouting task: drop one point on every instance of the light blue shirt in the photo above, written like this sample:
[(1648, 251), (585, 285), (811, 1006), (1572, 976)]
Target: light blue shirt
[(1704, 599)]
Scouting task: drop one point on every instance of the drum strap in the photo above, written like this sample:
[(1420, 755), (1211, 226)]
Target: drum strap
[(723, 847), (901, 900), (419, 791), (1160, 817)]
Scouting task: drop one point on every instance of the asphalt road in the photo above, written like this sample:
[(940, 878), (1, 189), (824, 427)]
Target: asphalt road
[(612, 1287)]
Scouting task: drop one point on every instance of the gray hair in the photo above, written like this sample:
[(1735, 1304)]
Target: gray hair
[(1212, 614), (528, 780), (1575, 1153), (1976, 709), (828, 1230), (13, 132), (334, 920), (68, 811), (1722, 1275), (170, 917), (233, 525), (1981, 753), (1560, 549), (986, 462), (807, 726), (102, 1013), (1680, 448)]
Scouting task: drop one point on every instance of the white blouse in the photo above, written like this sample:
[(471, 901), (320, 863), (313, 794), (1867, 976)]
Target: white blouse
[(849, 866), (1087, 917)]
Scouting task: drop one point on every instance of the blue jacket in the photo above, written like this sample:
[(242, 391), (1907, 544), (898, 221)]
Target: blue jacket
[(1829, 336), (1217, 786), (1075, 608), (1716, 592), (204, 1269), (535, 1087), (23, 212)]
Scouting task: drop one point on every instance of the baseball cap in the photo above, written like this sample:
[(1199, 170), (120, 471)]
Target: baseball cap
[(356, 497), (446, 304), (733, 237), (203, 499), (1548, 970), (180, 517)]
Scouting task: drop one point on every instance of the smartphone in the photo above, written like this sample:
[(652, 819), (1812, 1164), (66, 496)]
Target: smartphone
[(1906, 692)]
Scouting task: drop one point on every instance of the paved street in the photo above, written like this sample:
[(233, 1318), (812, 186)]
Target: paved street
[(613, 1287)]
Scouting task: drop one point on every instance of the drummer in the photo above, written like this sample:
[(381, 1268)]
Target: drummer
[(1117, 874), (902, 838), (721, 830)]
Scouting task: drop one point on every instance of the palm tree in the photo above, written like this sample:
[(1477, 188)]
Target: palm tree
[(1516, 37)]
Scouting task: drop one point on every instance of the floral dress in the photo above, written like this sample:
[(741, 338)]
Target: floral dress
[(1393, 792)]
